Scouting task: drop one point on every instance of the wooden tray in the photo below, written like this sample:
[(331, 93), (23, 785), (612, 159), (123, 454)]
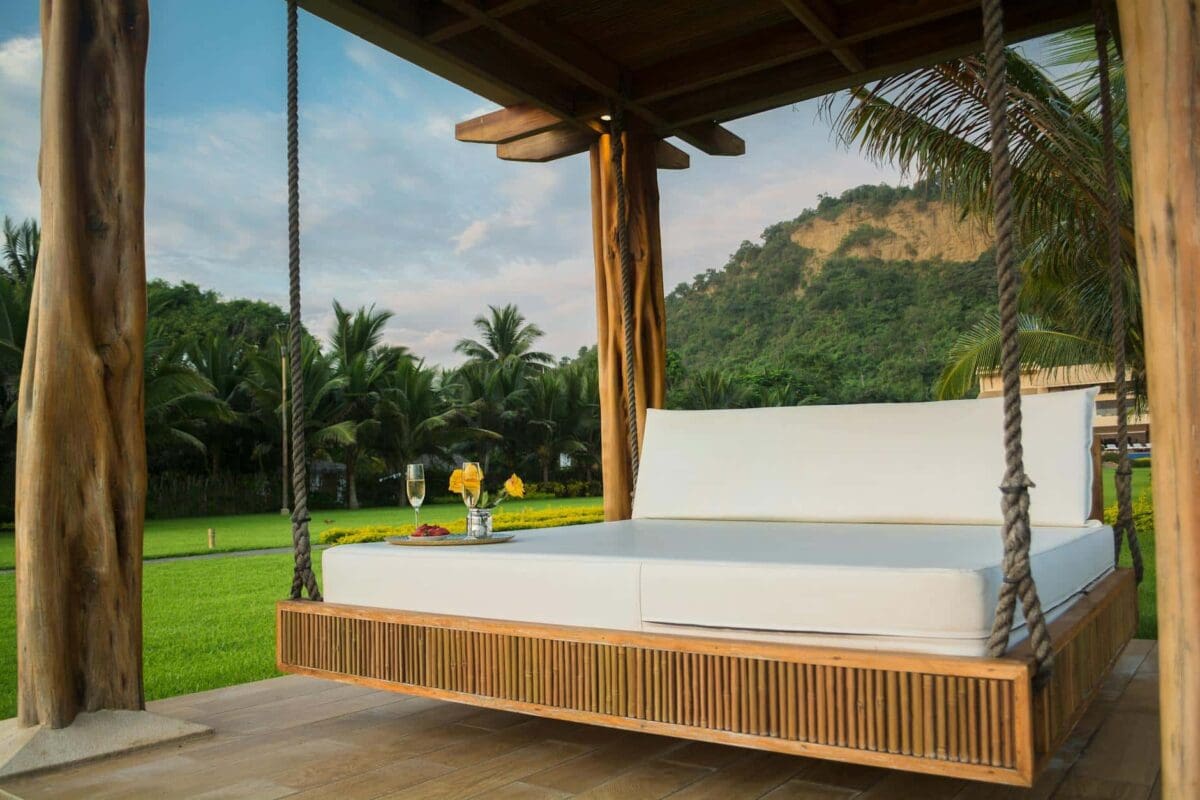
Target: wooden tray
[(448, 541)]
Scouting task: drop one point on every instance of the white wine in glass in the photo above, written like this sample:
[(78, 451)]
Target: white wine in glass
[(472, 483), (414, 482)]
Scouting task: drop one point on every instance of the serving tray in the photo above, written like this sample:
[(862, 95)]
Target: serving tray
[(448, 541)]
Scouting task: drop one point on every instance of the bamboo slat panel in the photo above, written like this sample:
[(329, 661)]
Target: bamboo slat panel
[(975, 718)]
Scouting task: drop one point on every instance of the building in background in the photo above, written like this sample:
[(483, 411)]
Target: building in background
[(1039, 381)]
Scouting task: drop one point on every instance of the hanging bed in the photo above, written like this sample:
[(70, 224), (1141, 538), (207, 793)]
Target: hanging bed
[(811, 580)]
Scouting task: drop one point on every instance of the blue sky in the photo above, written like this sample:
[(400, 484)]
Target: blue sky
[(394, 211)]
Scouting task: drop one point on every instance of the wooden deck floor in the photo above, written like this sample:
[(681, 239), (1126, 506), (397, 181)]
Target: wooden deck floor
[(299, 738)]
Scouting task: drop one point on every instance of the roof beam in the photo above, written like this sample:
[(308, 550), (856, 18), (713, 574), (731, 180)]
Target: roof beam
[(568, 55), (714, 139), (443, 27), (818, 75), (821, 18), (668, 156), (507, 125), (547, 146)]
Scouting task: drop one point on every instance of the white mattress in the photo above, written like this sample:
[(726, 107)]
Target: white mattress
[(918, 588)]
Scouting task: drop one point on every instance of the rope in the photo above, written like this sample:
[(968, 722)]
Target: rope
[(1018, 580), (617, 134), (1124, 526), (302, 575)]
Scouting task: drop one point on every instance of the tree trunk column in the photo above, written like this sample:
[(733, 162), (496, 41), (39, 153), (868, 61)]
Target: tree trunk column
[(81, 453), (1162, 54), (649, 314)]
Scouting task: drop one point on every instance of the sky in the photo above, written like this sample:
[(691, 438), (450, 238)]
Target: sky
[(394, 211)]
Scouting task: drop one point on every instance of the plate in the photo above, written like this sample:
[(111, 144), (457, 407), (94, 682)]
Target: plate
[(448, 541)]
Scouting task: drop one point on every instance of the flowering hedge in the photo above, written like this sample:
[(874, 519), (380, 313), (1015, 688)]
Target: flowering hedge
[(502, 521)]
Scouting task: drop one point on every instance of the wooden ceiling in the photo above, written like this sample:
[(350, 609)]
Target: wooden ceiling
[(681, 66)]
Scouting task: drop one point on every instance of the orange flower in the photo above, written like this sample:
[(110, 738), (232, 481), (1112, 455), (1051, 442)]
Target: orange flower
[(514, 486), (456, 481)]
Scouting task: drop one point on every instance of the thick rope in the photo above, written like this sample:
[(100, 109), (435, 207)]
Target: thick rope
[(617, 134), (1124, 527), (1018, 580), (302, 575)]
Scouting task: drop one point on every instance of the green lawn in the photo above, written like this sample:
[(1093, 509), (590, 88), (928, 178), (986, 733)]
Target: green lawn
[(208, 623), (211, 623), (188, 536)]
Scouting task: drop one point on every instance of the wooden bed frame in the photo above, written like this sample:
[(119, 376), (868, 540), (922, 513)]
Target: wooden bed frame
[(975, 718)]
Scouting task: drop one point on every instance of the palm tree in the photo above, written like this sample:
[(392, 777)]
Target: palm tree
[(504, 334), (323, 424), (362, 364), (711, 388), (177, 396), (222, 362), (416, 420), (934, 122), (19, 255), (492, 395), (557, 411)]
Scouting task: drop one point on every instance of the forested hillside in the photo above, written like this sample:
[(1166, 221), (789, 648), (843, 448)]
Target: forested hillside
[(857, 300)]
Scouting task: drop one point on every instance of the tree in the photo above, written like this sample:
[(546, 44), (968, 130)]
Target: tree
[(177, 396), (934, 121), (492, 395), (222, 363), (362, 366), (504, 334), (711, 388), (416, 420), (557, 411), (20, 251)]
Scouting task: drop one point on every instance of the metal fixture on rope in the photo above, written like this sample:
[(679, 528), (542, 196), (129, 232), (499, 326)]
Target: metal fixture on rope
[(1124, 527), (302, 575), (617, 136), (1018, 581)]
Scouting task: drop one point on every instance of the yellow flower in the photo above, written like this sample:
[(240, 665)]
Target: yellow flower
[(514, 486), (456, 481), (471, 476)]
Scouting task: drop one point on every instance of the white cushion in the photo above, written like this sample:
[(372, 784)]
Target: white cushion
[(932, 463), (921, 588)]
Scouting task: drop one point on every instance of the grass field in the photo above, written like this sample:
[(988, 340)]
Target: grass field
[(210, 622), (189, 536)]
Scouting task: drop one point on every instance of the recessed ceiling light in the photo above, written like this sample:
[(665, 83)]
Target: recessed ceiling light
[(606, 117)]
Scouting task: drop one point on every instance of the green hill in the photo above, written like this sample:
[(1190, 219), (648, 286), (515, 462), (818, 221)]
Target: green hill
[(857, 300)]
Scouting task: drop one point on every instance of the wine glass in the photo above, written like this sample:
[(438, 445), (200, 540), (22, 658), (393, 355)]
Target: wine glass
[(472, 483), (414, 482)]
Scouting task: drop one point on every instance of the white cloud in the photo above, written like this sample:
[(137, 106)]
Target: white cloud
[(471, 235), (398, 214), (20, 80)]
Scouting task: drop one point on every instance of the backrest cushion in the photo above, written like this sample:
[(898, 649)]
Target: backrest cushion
[(929, 463)]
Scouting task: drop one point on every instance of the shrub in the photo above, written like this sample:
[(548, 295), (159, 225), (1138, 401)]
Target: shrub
[(502, 521), (180, 495), (551, 489)]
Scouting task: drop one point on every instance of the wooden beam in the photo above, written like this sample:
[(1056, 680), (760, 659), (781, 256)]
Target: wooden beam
[(903, 50), (715, 139), (1161, 42), (547, 146), (668, 156), (578, 60), (821, 18), (649, 355), (81, 446), (507, 125), (448, 24)]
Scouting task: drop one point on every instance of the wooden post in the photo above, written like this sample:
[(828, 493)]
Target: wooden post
[(650, 348), (81, 453), (212, 538), (1161, 43)]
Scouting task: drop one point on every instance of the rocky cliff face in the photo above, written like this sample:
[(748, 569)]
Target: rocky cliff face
[(909, 230)]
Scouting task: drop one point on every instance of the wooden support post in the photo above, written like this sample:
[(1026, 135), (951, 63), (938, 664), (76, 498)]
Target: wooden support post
[(81, 453), (650, 349), (1161, 43)]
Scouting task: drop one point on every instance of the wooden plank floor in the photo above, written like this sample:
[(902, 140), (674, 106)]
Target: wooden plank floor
[(303, 738)]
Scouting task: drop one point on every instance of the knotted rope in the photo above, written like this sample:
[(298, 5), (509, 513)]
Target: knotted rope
[(302, 575), (617, 134), (1018, 580), (1124, 527)]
